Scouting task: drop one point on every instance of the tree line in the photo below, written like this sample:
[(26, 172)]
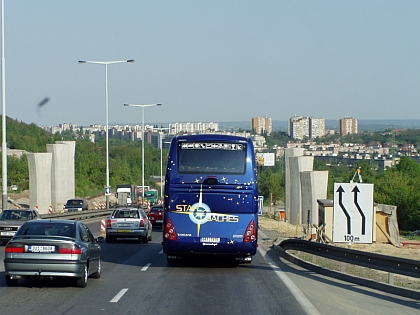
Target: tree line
[(90, 159), (396, 186)]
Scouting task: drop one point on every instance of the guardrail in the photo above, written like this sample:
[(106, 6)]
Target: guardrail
[(390, 264), (78, 215)]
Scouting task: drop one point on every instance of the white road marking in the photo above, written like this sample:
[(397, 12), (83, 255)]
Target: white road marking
[(116, 298), (300, 297), (161, 252), (145, 267)]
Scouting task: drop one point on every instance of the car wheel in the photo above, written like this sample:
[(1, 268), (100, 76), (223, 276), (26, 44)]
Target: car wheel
[(11, 282), (97, 274), (82, 282), (150, 237), (146, 239)]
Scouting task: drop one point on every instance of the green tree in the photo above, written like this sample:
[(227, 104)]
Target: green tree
[(399, 187), (270, 183)]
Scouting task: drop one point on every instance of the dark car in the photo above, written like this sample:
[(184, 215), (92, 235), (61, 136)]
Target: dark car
[(74, 205), (128, 223), (155, 215), (53, 248), (11, 221)]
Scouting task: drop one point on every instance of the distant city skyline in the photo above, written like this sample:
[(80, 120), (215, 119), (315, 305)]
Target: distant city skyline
[(210, 61), (282, 125)]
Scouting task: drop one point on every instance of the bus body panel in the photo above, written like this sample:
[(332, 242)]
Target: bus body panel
[(210, 209)]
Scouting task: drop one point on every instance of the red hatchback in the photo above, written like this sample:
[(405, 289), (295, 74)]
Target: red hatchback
[(155, 215)]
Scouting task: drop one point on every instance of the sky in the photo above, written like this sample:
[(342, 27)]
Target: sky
[(210, 61)]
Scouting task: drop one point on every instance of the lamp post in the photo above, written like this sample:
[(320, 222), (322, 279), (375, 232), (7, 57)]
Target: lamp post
[(106, 63), (142, 142), (3, 101), (161, 177)]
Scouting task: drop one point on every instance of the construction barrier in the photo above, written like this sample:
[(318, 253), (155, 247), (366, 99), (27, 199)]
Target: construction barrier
[(103, 227), (50, 211)]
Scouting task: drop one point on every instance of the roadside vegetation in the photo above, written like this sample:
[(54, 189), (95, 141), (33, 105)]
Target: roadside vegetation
[(396, 186)]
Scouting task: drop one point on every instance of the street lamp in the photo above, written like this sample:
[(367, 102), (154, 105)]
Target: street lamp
[(142, 142), (106, 63), (3, 101), (161, 147)]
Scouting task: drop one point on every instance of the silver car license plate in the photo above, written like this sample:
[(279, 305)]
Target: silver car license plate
[(41, 249)]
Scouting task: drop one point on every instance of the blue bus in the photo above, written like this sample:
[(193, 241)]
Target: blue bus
[(211, 197)]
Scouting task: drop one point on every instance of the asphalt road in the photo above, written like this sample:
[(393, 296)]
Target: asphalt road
[(137, 279)]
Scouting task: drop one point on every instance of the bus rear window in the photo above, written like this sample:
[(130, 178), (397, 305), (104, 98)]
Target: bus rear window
[(211, 158)]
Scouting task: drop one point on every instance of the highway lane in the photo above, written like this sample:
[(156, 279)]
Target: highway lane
[(137, 279)]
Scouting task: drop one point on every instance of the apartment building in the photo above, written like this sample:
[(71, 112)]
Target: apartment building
[(193, 127), (316, 128), (306, 127), (261, 125), (347, 126)]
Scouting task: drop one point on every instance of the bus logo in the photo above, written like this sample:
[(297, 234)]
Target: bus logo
[(200, 213)]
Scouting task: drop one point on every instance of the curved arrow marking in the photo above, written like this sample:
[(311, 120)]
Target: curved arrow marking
[(355, 191), (340, 191)]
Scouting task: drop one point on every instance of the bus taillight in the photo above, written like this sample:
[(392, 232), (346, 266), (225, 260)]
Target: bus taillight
[(250, 232), (169, 232)]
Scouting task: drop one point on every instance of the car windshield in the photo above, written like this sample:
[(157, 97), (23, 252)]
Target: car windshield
[(15, 215), (49, 229)]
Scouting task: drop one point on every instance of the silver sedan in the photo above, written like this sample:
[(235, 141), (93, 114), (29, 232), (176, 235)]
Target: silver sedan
[(53, 248), (128, 223)]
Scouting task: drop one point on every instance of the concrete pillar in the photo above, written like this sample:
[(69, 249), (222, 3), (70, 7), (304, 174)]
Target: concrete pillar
[(288, 152), (297, 165), (62, 172), (314, 186), (40, 181)]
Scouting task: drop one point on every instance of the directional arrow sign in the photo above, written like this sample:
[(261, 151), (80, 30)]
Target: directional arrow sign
[(353, 212)]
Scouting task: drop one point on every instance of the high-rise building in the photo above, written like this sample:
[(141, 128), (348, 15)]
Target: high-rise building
[(306, 127), (317, 127), (298, 127), (347, 126), (262, 125)]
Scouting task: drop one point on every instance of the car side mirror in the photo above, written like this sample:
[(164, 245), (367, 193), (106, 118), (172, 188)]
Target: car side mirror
[(100, 239)]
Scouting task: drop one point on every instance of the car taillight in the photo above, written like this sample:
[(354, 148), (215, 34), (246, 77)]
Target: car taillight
[(108, 223), (250, 232), (70, 249), (14, 248), (141, 223), (169, 232)]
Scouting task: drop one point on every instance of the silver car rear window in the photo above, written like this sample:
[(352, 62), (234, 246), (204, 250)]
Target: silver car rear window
[(49, 229), (127, 214)]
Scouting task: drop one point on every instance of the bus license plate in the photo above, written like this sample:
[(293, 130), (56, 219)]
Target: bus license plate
[(210, 240)]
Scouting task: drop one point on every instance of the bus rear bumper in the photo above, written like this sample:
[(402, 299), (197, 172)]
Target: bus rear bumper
[(239, 250)]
